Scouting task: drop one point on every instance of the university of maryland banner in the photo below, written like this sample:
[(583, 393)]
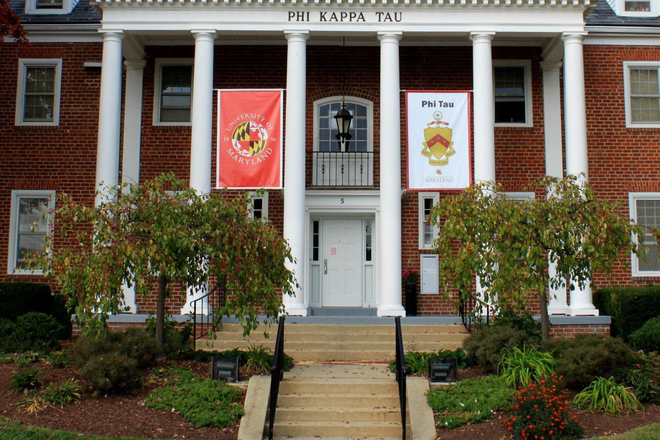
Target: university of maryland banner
[(439, 140), (249, 139)]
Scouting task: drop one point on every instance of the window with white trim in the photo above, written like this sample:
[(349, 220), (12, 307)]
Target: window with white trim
[(173, 91), (637, 8), (645, 210), (259, 206), (642, 89), (520, 196), (427, 231), (360, 126), (38, 91), (513, 92), (49, 7), (30, 222)]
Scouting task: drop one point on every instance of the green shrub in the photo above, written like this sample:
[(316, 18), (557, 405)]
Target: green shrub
[(630, 307), (18, 299), (485, 345), (37, 332), (259, 360), (644, 377), (201, 402), (63, 393), (469, 401), (647, 337), (24, 360), (207, 355), (26, 379), (520, 367), (540, 411), (522, 321), (58, 360), (8, 342), (110, 373), (586, 357), (177, 342), (607, 396), (417, 363)]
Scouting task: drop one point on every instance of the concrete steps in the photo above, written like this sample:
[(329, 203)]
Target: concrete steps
[(338, 402), (340, 342)]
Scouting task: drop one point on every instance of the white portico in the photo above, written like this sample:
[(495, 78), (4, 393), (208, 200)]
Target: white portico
[(369, 274)]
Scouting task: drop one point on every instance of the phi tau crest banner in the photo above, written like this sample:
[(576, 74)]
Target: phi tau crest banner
[(249, 139), (438, 133)]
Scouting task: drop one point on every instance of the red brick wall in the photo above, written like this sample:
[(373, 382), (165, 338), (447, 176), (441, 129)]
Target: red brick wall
[(63, 158), (572, 330)]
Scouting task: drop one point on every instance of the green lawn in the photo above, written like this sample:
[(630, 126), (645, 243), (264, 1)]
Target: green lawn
[(649, 432), (15, 431)]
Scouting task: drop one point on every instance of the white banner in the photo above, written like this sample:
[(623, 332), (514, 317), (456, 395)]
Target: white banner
[(439, 140)]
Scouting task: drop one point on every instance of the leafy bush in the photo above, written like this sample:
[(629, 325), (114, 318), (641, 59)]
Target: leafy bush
[(24, 360), (520, 367), (630, 307), (201, 402), (18, 299), (586, 357), (469, 401), (644, 377), (523, 321), (647, 337), (417, 363), (607, 396), (58, 360), (37, 332), (111, 362), (486, 344), (63, 393), (26, 379), (207, 355), (8, 342), (540, 411), (177, 342), (259, 360)]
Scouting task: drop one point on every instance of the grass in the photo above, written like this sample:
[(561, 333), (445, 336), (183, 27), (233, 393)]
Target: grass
[(649, 432), (15, 431), (469, 401)]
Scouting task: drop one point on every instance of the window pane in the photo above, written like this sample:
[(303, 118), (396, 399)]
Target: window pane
[(648, 216), (645, 110), (28, 244), (510, 104), (39, 108), (175, 115), (634, 6), (31, 210), (176, 87), (49, 4)]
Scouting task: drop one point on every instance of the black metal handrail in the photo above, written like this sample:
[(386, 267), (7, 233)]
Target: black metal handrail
[(401, 373), (203, 321), (343, 168), (276, 376), (471, 315)]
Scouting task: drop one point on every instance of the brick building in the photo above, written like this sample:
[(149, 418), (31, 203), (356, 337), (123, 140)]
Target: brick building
[(122, 91)]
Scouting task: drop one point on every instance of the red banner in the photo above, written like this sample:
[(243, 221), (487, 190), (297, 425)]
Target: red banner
[(249, 139)]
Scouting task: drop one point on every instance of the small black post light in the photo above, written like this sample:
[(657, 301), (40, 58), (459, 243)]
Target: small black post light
[(225, 368), (343, 119), (443, 370)]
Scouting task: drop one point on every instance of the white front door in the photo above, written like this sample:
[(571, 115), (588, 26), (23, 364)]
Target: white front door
[(342, 263)]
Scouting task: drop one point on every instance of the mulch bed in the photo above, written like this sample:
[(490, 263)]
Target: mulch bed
[(115, 415)]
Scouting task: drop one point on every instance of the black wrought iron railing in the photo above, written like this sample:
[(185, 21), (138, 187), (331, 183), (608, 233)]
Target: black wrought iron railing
[(343, 169), (276, 376), (401, 373), (203, 310), (475, 312)]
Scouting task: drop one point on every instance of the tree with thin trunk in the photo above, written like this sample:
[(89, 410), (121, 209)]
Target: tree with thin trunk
[(508, 245), (159, 235), (10, 24)]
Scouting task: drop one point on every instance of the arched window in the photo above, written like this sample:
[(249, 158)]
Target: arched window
[(326, 128)]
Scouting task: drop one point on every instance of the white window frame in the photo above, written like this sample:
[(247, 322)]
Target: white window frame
[(621, 10), (23, 65), (529, 113), (264, 206), (435, 196), (627, 65), (16, 195), (520, 196), (348, 99), (158, 71), (67, 7), (632, 203)]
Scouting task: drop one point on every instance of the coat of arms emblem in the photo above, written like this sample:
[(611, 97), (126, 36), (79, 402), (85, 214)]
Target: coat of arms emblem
[(438, 146)]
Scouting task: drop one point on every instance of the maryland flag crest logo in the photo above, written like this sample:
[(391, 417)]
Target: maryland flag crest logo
[(249, 139), (438, 147)]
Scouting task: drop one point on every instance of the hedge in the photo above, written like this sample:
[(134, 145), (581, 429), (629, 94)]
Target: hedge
[(630, 307), (17, 299)]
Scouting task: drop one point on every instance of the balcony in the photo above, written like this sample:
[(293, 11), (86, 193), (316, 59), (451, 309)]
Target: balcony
[(350, 169)]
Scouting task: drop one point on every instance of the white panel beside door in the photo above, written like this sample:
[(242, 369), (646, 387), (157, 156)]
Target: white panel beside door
[(430, 281)]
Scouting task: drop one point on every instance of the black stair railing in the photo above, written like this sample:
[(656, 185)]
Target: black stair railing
[(401, 373), (276, 376), (203, 310), (475, 312)]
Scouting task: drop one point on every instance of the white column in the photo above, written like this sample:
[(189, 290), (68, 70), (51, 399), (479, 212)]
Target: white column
[(202, 112), (390, 177), (202, 130), (554, 166), (484, 106), (575, 123), (107, 156), (294, 165)]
